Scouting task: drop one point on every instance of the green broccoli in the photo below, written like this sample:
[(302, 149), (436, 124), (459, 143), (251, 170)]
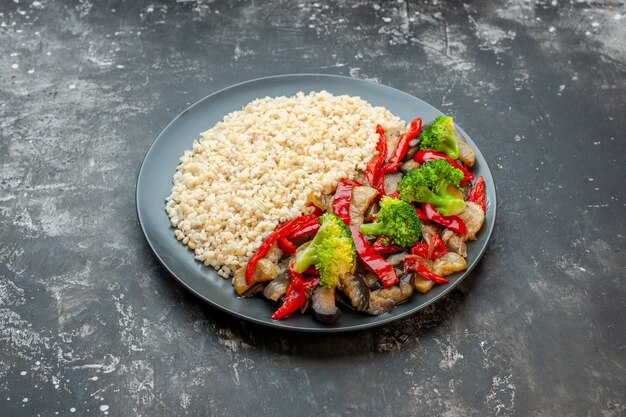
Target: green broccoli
[(429, 184), (397, 220), (440, 136), (332, 251)]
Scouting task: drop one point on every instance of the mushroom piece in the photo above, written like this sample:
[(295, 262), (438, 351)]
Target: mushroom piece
[(277, 287), (356, 290), (473, 216), (391, 182), (422, 284), (323, 304), (448, 263), (454, 242), (392, 137), (371, 280), (466, 154), (362, 197), (264, 271), (396, 293), (379, 305), (409, 165)]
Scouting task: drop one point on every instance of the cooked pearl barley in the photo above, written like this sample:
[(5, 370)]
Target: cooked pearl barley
[(260, 165)]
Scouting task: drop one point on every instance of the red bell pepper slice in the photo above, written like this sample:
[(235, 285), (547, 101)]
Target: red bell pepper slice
[(312, 270), (373, 173), (438, 247), (394, 162), (384, 249), (476, 194), (286, 246), (310, 283), (425, 156), (375, 262), (420, 249), (453, 223), (307, 228), (295, 297), (421, 215), (414, 264), (342, 199), (281, 231)]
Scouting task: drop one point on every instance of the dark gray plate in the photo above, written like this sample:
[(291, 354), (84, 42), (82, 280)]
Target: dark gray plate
[(155, 181)]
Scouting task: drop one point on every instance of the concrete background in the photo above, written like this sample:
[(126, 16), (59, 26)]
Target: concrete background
[(90, 324)]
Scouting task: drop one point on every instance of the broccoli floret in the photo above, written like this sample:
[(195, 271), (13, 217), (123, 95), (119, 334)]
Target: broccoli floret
[(440, 136), (332, 251), (429, 184), (397, 220)]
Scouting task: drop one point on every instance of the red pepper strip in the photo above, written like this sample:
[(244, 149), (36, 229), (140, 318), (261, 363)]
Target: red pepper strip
[(295, 297), (421, 215), (375, 262), (453, 223), (413, 264), (342, 199), (415, 127), (312, 270), (394, 195), (384, 249), (439, 248), (307, 228), (286, 246), (373, 172), (420, 249), (310, 283), (281, 231), (476, 194), (425, 156)]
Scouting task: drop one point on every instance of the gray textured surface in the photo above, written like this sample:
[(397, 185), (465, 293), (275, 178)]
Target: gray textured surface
[(91, 324)]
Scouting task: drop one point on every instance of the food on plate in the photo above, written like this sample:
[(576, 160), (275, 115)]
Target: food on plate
[(379, 211)]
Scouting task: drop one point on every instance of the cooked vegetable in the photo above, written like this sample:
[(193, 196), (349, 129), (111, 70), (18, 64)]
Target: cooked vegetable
[(379, 305), (396, 293), (395, 160), (466, 153), (362, 197), (342, 199), (422, 284), (429, 184), (323, 304), (473, 217), (441, 137), (451, 222), (449, 263), (355, 288), (295, 298), (277, 287), (373, 172), (476, 194), (396, 220), (425, 156), (331, 251), (454, 242), (281, 231), (264, 271), (373, 261), (415, 264)]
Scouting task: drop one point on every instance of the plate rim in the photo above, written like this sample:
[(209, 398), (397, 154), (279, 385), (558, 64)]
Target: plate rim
[(278, 324)]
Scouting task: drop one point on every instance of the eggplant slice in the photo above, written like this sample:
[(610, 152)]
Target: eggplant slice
[(356, 290), (323, 305)]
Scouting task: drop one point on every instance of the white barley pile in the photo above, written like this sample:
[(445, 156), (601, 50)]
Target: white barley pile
[(260, 165)]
